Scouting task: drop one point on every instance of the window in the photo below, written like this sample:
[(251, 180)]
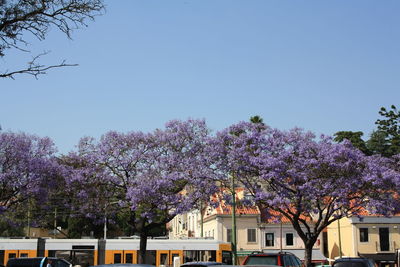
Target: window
[(289, 239), (363, 234), (117, 258), (228, 235), (269, 239), (251, 235), (129, 258)]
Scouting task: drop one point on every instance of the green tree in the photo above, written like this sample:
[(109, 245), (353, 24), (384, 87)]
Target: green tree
[(385, 140), (256, 119), (390, 127), (354, 138)]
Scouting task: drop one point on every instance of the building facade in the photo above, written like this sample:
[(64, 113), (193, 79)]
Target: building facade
[(253, 231), (373, 237)]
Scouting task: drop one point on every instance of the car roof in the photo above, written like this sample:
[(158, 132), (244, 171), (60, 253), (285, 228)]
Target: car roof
[(203, 263), (259, 253), (351, 259)]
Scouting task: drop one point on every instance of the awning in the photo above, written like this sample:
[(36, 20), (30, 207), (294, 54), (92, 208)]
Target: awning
[(381, 257), (242, 253)]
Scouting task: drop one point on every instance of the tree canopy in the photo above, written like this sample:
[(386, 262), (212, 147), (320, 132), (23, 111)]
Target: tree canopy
[(144, 179), (153, 176), (312, 182)]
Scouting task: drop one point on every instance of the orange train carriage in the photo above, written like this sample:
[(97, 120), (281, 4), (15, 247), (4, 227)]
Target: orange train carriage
[(87, 252)]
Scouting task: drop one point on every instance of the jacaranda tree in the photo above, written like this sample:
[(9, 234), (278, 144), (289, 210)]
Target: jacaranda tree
[(312, 182), (153, 175), (26, 163)]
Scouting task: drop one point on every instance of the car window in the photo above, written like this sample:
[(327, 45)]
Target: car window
[(61, 263), (262, 260), (287, 261), (350, 264), (297, 261)]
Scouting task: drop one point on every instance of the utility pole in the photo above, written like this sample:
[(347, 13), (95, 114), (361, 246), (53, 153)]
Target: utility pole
[(340, 239), (29, 220), (201, 219), (234, 249), (281, 234), (55, 222)]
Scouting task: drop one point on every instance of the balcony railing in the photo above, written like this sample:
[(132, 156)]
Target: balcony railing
[(391, 249)]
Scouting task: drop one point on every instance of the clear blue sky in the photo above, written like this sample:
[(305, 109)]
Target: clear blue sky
[(324, 66)]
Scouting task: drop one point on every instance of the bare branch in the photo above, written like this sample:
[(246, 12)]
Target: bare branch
[(35, 69), (19, 18)]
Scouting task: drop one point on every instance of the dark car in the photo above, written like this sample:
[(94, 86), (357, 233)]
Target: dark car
[(201, 263), (37, 262), (353, 262), (277, 259), (124, 265)]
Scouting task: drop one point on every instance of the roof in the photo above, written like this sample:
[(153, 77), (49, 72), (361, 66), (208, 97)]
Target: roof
[(225, 208)]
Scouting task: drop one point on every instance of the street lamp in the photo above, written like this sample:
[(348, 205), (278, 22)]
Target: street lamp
[(233, 238)]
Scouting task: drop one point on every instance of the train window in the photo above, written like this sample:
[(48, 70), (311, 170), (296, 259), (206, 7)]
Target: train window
[(164, 259), (2, 257), (24, 255), (12, 255), (117, 258), (128, 258)]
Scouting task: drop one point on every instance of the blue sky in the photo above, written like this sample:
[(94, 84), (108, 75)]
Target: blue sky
[(324, 66)]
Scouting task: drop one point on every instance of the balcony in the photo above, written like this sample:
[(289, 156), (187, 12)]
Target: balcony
[(386, 247)]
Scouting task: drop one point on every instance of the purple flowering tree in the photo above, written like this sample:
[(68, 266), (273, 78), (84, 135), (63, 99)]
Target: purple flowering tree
[(153, 175), (26, 163), (312, 182)]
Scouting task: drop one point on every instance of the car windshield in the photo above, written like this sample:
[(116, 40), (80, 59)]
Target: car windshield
[(262, 260)]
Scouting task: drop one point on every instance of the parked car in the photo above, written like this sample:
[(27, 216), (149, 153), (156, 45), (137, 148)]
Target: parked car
[(201, 263), (124, 265), (277, 259), (37, 262), (353, 262)]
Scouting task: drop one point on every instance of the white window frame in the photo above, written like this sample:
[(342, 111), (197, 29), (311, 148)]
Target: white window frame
[(359, 237), (273, 239), (255, 235), (228, 235)]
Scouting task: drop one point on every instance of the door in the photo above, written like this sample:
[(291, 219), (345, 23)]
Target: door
[(10, 254), (130, 256), (176, 254), (384, 239), (162, 258), (114, 256)]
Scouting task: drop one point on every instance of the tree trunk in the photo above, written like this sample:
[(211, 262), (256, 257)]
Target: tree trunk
[(308, 254), (143, 246)]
